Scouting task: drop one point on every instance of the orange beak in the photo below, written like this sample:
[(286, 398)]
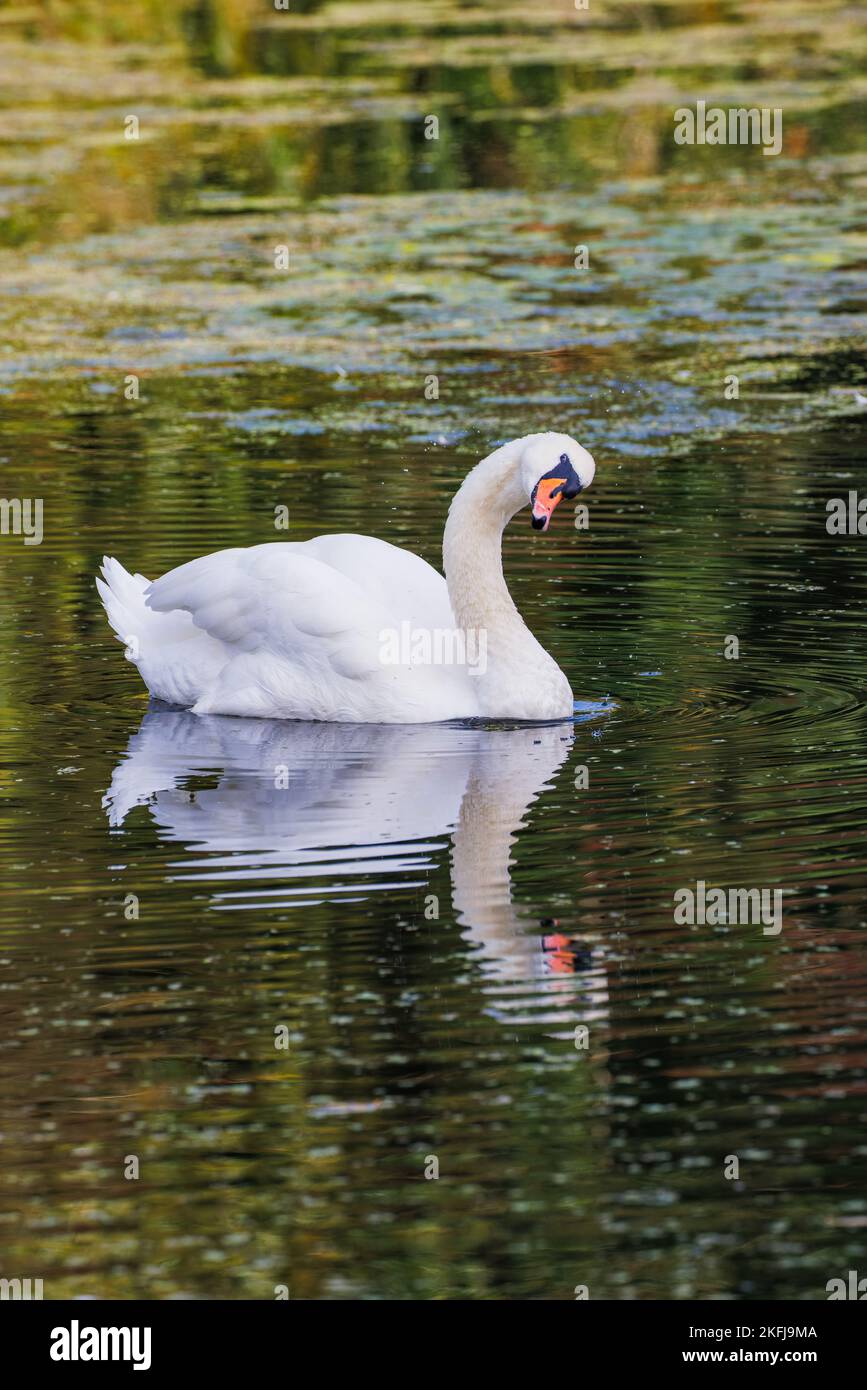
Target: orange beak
[(546, 496), (559, 954)]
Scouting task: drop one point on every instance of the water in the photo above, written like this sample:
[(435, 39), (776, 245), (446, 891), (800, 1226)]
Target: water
[(429, 913)]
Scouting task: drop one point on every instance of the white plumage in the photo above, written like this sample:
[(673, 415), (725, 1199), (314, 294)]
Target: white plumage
[(300, 630)]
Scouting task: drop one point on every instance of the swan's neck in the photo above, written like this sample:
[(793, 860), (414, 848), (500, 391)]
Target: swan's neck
[(519, 679), (481, 509)]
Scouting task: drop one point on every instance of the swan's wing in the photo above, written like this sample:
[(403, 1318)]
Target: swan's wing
[(276, 599), (223, 592), (407, 586), (303, 638)]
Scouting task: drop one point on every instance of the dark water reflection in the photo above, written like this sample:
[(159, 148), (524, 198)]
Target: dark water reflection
[(358, 806), (432, 912)]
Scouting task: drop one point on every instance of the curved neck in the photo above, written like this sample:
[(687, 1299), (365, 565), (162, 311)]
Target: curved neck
[(481, 509)]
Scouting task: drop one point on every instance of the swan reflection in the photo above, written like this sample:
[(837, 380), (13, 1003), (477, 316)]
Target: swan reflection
[(283, 814)]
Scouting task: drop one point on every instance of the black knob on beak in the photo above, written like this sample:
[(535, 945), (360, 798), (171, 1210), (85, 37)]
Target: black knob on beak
[(572, 485)]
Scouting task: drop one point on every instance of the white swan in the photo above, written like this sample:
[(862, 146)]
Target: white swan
[(351, 629)]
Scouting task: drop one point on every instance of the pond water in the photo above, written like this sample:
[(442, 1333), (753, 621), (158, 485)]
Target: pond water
[(425, 916)]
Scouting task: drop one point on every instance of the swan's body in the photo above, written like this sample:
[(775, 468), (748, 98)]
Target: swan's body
[(332, 628)]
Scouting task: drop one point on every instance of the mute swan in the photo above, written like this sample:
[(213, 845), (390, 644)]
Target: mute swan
[(351, 629)]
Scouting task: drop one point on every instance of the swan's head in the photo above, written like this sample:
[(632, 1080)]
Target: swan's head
[(553, 466)]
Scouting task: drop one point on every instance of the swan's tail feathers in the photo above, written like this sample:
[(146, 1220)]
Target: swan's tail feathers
[(123, 597)]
